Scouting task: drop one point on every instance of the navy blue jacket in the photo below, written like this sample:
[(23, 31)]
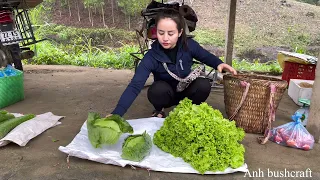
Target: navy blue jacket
[(152, 63)]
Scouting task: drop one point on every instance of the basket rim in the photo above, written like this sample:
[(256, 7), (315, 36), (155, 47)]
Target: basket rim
[(253, 77)]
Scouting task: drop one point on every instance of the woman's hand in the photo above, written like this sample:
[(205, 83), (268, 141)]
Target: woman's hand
[(109, 115), (225, 66)]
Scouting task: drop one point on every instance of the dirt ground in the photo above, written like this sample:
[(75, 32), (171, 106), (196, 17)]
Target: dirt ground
[(73, 91)]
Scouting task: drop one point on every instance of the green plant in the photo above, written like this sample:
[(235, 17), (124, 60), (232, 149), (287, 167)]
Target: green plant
[(86, 54), (42, 12)]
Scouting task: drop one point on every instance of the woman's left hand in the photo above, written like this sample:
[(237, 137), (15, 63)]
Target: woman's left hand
[(225, 66)]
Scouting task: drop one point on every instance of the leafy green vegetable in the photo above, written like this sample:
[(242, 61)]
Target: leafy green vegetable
[(202, 137), (7, 126), (106, 130), (3, 112), (5, 116), (136, 147)]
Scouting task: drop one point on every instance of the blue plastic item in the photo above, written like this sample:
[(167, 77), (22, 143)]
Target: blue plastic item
[(1, 74), (10, 71), (304, 110)]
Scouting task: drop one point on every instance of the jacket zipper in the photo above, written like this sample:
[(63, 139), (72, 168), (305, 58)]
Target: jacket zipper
[(181, 64)]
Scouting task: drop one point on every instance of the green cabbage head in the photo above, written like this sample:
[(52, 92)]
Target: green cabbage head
[(136, 147), (106, 131)]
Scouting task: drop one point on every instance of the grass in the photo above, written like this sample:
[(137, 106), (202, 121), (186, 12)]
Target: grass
[(101, 38), (246, 38), (209, 37), (270, 67), (49, 53)]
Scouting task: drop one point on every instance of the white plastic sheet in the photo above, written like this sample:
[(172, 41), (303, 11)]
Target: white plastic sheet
[(28, 130), (111, 154)]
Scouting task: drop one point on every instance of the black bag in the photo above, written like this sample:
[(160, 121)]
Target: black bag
[(186, 11)]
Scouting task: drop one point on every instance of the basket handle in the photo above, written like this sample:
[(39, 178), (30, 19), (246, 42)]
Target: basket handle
[(245, 93), (272, 116)]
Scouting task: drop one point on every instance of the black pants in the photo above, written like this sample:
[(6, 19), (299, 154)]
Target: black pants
[(162, 95)]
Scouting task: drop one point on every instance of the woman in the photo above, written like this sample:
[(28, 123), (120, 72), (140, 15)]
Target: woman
[(170, 60)]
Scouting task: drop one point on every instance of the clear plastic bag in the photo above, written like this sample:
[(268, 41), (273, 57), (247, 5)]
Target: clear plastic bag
[(293, 134)]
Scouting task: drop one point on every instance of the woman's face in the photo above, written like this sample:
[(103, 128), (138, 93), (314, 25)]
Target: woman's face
[(167, 33)]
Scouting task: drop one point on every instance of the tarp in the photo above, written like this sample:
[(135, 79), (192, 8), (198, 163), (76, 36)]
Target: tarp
[(158, 160), (30, 129)]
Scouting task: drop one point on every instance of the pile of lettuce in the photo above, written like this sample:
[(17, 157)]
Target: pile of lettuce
[(201, 137)]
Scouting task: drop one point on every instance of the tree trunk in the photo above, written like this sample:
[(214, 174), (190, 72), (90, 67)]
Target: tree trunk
[(91, 19), (69, 8), (129, 22), (112, 11), (60, 12), (78, 9), (116, 6), (104, 22), (89, 14)]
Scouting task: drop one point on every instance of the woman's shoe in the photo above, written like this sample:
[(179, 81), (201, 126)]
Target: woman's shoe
[(156, 113)]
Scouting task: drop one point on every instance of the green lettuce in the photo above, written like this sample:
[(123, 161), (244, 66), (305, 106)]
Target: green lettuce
[(136, 147), (202, 137), (106, 130)]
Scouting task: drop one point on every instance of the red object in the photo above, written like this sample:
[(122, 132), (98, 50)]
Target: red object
[(5, 16), (306, 147), (278, 139), (152, 33), (298, 71)]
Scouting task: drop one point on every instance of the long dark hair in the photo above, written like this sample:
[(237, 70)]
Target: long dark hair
[(178, 19)]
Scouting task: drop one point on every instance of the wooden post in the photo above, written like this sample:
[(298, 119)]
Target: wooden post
[(313, 124), (230, 32)]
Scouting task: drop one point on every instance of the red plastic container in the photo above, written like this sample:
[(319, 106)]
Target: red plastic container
[(298, 71), (5, 16)]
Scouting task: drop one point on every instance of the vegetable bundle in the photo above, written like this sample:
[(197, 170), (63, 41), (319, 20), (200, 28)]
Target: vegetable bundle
[(136, 147), (202, 137), (9, 122), (106, 130), (4, 115)]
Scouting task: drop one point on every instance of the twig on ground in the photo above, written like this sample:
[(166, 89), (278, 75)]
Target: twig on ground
[(132, 167), (68, 162)]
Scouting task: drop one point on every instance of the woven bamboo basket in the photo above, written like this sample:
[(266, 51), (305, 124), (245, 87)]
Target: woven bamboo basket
[(248, 100), (11, 89)]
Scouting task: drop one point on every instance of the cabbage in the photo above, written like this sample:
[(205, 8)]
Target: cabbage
[(201, 137), (106, 130), (136, 147)]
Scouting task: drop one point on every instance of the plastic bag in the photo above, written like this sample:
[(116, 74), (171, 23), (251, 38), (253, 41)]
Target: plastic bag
[(293, 134), (1, 74), (9, 71)]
